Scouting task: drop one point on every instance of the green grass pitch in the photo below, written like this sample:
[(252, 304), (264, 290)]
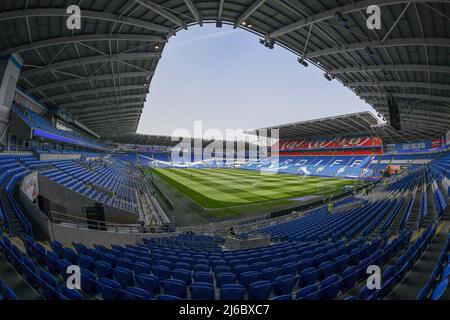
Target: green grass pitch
[(219, 189)]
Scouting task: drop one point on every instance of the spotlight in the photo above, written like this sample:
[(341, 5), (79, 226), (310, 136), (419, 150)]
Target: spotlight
[(268, 43), (302, 61), (327, 76), (244, 23), (249, 25), (157, 47)]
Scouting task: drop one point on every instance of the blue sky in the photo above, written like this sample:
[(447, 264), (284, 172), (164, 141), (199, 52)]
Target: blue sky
[(228, 80)]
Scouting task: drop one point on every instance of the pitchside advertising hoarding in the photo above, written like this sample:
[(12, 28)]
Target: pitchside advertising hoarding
[(330, 143)]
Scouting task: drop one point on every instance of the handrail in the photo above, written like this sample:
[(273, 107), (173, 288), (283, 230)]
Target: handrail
[(58, 217)]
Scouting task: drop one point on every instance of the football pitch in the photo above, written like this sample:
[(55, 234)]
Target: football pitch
[(229, 192)]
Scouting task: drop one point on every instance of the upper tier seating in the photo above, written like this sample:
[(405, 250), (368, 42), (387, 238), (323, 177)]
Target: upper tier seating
[(43, 128)]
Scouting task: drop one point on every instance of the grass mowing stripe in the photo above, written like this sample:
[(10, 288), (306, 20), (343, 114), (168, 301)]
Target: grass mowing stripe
[(209, 189)]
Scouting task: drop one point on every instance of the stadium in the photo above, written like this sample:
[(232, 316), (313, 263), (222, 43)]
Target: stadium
[(342, 207)]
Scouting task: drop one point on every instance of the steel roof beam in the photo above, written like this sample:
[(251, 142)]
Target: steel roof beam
[(345, 9), (438, 42), (76, 81), (86, 14), (80, 110), (107, 112), (162, 12), (82, 38), (404, 96), (392, 67), (117, 118), (94, 91), (100, 100), (250, 10), (404, 84), (40, 70), (193, 9), (106, 116)]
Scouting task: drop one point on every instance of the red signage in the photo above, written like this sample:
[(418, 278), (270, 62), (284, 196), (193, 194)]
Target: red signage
[(330, 143)]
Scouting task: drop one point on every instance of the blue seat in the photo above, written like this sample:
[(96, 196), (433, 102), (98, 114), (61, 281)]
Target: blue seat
[(132, 257), (103, 269), (108, 258), (423, 293), (202, 276), (49, 278), (200, 267), (259, 266), (125, 263), (51, 261), (241, 268), (290, 268), (39, 253), (141, 267), (367, 294), (174, 287), (86, 262), (248, 277), (183, 265), (232, 292), (388, 273), (327, 269), (164, 263), (225, 278), (124, 276), (70, 255), (307, 293), (132, 293), (329, 288), (440, 290), (57, 248), (283, 297), (309, 276), (109, 289), (80, 248), (341, 263), (305, 264), (222, 269), (168, 297), (319, 259), (88, 282), (202, 291), (9, 294), (30, 272), (284, 284), (349, 278), (270, 273), (148, 282), (260, 290), (71, 294), (161, 272), (182, 275)]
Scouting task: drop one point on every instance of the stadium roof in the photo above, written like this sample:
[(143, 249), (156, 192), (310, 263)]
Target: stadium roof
[(101, 73), (350, 124)]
